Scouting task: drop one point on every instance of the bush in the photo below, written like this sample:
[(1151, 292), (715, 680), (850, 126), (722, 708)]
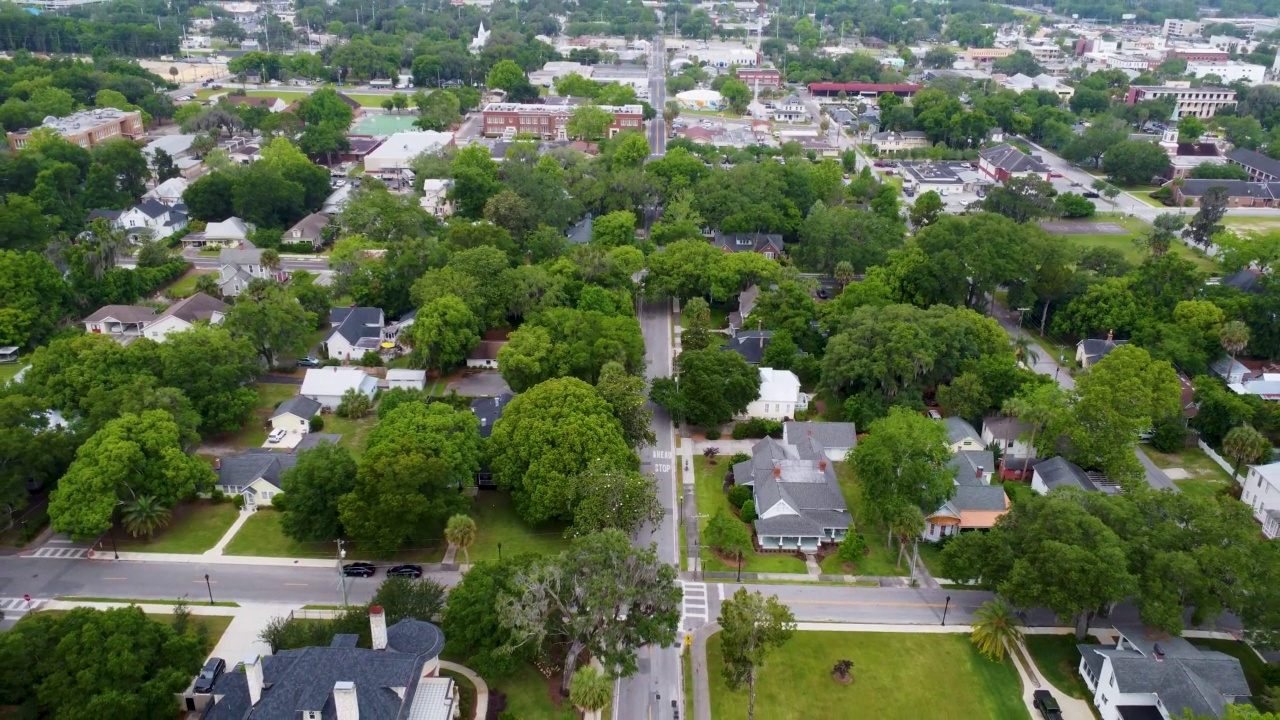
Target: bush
[(332, 362), (852, 547), (739, 457), (298, 248), (740, 495), (757, 428), (238, 501), (370, 359), (317, 423), (354, 405), (1170, 436), (749, 511), (218, 496), (713, 434)]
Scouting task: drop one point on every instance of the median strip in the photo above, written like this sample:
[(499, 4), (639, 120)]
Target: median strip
[(139, 601)]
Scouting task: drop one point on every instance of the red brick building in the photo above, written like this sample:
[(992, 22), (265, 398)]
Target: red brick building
[(548, 121), (833, 89), (1200, 55), (766, 77)]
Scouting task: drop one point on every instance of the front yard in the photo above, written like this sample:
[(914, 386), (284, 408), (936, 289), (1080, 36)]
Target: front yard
[(195, 527), (497, 523), (895, 676), (708, 484), (1206, 476), (262, 536), (1058, 659)]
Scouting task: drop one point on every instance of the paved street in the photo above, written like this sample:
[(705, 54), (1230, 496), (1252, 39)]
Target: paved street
[(658, 96)]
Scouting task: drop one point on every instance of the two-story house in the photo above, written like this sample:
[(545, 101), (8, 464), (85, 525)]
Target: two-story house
[(767, 244), (153, 216), (168, 192), (1261, 492), (976, 504), (790, 109), (241, 265), (795, 490), (356, 331)]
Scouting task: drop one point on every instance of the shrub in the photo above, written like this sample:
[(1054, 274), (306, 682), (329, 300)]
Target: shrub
[(713, 434), (749, 511), (1170, 436), (739, 457), (218, 496), (238, 501), (317, 423), (739, 495), (354, 405), (757, 428), (298, 248), (370, 359), (852, 547), (332, 362)]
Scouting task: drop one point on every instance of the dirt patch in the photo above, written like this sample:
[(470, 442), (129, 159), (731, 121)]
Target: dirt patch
[(1081, 227)]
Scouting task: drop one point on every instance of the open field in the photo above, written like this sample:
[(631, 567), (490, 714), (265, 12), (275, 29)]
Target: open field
[(263, 535), (895, 677), (1207, 478), (498, 524), (195, 527)]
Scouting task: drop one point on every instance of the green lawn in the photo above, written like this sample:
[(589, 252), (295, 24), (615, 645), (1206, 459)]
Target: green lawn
[(529, 697), (262, 535), (1057, 658), (354, 432), (708, 481), (1132, 254), (196, 527), (1207, 478), (497, 523), (895, 676), (9, 370), (254, 432), (879, 560), (185, 286), (1253, 666), (1017, 491)]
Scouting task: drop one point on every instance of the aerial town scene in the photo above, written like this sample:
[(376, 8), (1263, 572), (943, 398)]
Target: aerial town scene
[(640, 360)]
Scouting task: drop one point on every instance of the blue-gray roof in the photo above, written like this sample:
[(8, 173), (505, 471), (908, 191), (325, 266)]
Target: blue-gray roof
[(250, 465), (300, 405), (356, 323)]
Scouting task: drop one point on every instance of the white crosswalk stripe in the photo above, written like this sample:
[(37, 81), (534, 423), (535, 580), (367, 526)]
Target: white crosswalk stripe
[(17, 606), (694, 605), (60, 553)]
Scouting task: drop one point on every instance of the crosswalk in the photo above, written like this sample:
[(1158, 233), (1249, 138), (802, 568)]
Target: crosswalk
[(694, 606), (18, 606), (60, 553)]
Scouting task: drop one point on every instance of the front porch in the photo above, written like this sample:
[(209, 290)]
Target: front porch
[(1271, 524)]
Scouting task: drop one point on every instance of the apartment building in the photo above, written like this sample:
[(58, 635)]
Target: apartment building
[(986, 55), (1202, 102), (770, 78), (549, 121), (1181, 29), (87, 128), (1230, 72)]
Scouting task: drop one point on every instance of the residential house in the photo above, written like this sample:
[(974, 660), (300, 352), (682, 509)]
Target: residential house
[(976, 504), (398, 677), (184, 314), (168, 192), (833, 440), (1010, 435), (356, 331), (790, 109), (272, 104), (435, 197), (1022, 83), (767, 244), (780, 396), (843, 115), (122, 322), (1230, 370), (327, 385), (890, 141), (1266, 387), (750, 344), (229, 232), (253, 474), (962, 436), (489, 410), (294, 415), (1090, 350), (746, 303), (159, 219), (406, 379), (311, 441), (310, 229), (797, 496), (485, 354), (1059, 472), (1261, 492), (1002, 162), (241, 265), (1149, 674), (1248, 280)]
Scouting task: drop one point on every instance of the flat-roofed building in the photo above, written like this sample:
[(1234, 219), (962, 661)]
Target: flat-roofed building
[(88, 128), (549, 121), (764, 77), (1202, 102)]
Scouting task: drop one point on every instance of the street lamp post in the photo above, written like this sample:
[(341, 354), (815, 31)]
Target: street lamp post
[(209, 585), (944, 611), (499, 552), (739, 566)]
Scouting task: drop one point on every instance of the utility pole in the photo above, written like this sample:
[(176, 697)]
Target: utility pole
[(342, 578)]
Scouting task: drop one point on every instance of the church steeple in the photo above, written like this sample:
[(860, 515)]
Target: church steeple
[(1169, 141)]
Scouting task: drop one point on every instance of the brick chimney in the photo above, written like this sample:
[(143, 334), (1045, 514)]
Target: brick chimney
[(822, 465), (378, 627), (978, 472), (253, 678), (345, 705), (777, 471)]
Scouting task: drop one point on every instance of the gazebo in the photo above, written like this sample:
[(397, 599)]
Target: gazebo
[(9, 354)]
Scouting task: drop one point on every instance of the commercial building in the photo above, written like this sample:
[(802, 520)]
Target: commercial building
[(548, 121), (1202, 102), (1199, 54), (1181, 29), (1229, 72), (830, 91), (398, 151), (986, 55), (88, 128), (1260, 167), (769, 78)]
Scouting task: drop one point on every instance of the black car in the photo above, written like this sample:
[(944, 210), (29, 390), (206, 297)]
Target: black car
[(1091, 195), (410, 571), (359, 569), (213, 667), (1047, 705)]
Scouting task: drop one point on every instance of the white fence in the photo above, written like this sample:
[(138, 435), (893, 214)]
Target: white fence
[(1216, 458)]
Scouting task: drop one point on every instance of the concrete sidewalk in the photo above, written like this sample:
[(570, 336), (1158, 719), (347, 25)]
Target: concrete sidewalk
[(216, 550), (213, 559)]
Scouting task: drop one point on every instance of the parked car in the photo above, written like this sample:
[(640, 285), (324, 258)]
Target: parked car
[(276, 435), (1054, 175), (1091, 195), (1047, 705), (411, 571), (309, 362), (933, 414), (359, 569), (213, 667)]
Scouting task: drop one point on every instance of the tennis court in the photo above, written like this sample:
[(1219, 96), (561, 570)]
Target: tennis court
[(383, 124)]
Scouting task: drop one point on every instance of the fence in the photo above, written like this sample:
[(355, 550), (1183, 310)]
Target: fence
[(1217, 458)]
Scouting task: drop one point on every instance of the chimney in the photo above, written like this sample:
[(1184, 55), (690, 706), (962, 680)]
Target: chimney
[(217, 463), (822, 465), (1159, 652), (378, 627), (1111, 335), (253, 677), (777, 470), (978, 473), (345, 706), (484, 422)]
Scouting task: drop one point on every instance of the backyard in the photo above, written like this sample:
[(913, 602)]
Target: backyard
[(194, 527), (708, 484), (185, 286), (906, 676), (354, 432), (1206, 477), (254, 432), (879, 559)]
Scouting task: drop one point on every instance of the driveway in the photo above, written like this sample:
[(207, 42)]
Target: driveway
[(288, 442), (479, 383)]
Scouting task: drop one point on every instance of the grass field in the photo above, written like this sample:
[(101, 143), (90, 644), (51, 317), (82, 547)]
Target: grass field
[(895, 677), (529, 697), (254, 432), (354, 432), (262, 535), (9, 370), (1207, 478), (708, 480), (880, 559), (1057, 658), (185, 286), (196, 527), (497, 523), (1132, 254)]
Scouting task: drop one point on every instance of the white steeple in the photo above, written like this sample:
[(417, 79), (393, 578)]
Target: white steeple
[(1169, 141)]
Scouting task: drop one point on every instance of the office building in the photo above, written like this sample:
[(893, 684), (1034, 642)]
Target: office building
[(548, 121), (1202, 102), (88, 128)]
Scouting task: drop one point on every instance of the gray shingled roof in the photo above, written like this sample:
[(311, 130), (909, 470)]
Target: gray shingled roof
[(748, 242), (1012, 160), (300, 405), (750, 344), (1183, 676), (1255, 160), (979, 498), (1006, 428), (808, 486), (311, 440), (1234, 188), (1097, 348), (967, 463), (197, 307), (356, 323), (825, 434), (958, 429), (253, 464), (489, 410), (1059, 472)]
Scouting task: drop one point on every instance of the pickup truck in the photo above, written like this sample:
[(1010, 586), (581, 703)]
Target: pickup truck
[(1047, 705)]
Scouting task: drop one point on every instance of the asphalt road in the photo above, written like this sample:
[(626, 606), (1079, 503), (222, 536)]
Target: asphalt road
[(658, 97)]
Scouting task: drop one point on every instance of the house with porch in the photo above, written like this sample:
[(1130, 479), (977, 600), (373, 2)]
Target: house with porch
[(124, 323), (153, 216), (254, 474), (311, 229), (1261, 492), (356, 331), (184, 314), (238, 266), (976, 504), (1151, 675), (796, 494)]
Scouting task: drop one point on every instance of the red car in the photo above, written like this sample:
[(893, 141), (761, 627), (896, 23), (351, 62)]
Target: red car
[(1055, 175)]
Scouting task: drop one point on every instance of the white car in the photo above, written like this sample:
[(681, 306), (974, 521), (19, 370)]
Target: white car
[(339, 183), (276, 435)]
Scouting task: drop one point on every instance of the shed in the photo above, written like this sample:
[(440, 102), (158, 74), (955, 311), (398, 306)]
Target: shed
[(327, 385), (407, 379)]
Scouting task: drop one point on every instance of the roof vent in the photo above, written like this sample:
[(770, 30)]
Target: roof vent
[(1159, 652)]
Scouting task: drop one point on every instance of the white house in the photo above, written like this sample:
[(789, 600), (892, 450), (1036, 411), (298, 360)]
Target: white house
[(326, 385), (356, 331), (790, 109), (1262, 493), (184, 314), (485, 355), (160, 219), (895, 141), (253, 474), (395, 155), (435, 197), (407, 379), (795, 489), (122, 322), (239, 266), (294, 415), (962, 436), (168, 192), (1009, 435), (231, 231), (780, 396), (1151, 674)]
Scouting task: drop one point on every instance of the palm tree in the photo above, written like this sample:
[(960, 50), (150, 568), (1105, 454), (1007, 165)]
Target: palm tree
[(208, 284), (1023, 352), (670, 112), (905, 522), (461, 531), (844, 272), (143, 515), (590, 692), (995, 626), (173, 73), (1234, 337), (271, 259), (1245, 446)]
